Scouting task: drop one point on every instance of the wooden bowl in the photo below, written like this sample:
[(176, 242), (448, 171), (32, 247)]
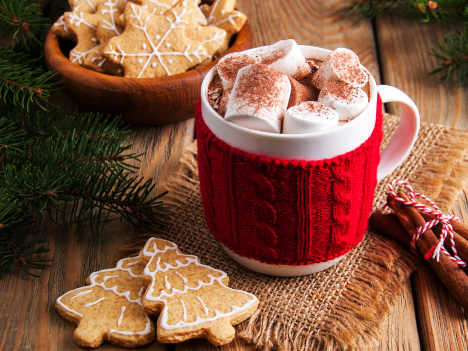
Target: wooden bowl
[(144, 102)]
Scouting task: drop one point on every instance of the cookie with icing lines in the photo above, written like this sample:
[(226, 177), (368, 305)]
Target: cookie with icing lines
[(60, 29), (153, 45), (109, 308), (192, 300), (222, 15), (109, 26), (82, 26), (211, 37), (86, 6)]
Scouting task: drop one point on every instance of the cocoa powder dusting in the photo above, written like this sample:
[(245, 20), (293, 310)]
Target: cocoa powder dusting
[(273, 56), (215, 91), (316, 108), (347, 65), (341, 90), (230, 66)]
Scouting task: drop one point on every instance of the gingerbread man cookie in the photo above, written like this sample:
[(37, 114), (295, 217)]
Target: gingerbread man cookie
[(153, 46), (192, 300), (222, 15), (109, 309)]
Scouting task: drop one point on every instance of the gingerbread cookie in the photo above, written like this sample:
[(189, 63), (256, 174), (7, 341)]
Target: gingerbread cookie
[(60, 29), (109, 26), (153, 46), (193, 300), (156, 7), (83, 27), (109, 308), (222, 15), (86, 6), (211, 37)]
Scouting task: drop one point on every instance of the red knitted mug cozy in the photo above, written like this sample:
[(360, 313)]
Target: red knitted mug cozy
[(287, 212)]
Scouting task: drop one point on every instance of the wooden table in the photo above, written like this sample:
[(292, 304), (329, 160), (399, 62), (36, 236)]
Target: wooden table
[(396, 51)]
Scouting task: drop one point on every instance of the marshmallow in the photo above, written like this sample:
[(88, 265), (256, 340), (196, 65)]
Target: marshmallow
[(301, 93), (342, 65), (224, 101), (259, 98), (347, 100), (286, 57), (309, 117), (229, 65)]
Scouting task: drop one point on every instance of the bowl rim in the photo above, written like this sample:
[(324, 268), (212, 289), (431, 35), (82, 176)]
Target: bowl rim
[(57, 61)]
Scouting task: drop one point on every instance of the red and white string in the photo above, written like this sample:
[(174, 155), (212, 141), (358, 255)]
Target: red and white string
[(440, 217)]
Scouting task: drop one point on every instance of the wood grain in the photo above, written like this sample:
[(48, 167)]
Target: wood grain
[(29, 320), (405, 61)]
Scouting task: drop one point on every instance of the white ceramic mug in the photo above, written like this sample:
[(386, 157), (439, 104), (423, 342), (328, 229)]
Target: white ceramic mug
[(317, 146)]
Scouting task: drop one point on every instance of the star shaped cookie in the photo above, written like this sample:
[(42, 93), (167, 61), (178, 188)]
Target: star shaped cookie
[(222, 15), (153, 45), (86, 6)]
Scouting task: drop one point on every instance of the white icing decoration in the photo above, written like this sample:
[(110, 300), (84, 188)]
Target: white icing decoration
[(90, 5), (190, 260), (61, 22), (155, 53), (79, 19), (185, 311), (183, 278), (140, 61), (121, 316), (141, 291), (168, 45), (204, 307), (166, 283), (161, 13), (154, 64), (216, 37), (94, 39), (212, 19), (121, 332), (144, 46), (158, 37), (170, 61), (92, 279), (110, 25), (95, 302), (132, 263), (109, 277), (81, 293), (78, 56)]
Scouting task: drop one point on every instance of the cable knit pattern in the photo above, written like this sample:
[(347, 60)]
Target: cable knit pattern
[(287, 212)]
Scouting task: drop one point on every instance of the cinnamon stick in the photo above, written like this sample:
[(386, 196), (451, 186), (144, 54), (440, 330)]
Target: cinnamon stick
[(449, 272), (389, 225), (460, 228)]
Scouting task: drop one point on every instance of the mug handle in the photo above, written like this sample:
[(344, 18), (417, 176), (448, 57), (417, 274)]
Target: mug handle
[(405, 136)]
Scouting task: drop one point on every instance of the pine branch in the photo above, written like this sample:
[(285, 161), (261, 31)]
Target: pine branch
[(22, 80), (441, 11), (15, 228), (453, 50), (22, 19)]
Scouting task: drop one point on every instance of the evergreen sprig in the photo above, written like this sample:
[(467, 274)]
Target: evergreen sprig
[(453, 50), (16, 227), (23, 20), (442, 11), (23, 80)]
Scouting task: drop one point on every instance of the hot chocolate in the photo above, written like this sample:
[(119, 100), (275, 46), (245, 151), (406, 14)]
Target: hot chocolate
[(276, 89)]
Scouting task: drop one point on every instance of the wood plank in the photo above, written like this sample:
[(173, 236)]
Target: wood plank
[(30, 320), (441, 321), (405, 60)]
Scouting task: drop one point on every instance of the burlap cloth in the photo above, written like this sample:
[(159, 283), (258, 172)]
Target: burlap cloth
[(342, 307)]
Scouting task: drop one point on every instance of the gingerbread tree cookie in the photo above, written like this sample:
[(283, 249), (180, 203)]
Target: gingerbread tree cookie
[(222, 15), (153, 46), (109, 308), (211, 37), (193, 300)]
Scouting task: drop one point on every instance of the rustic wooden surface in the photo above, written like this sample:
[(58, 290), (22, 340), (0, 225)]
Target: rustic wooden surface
[(395, 50)]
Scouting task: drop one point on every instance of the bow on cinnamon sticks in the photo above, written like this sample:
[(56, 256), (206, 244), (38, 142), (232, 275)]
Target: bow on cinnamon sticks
[(405, 227)]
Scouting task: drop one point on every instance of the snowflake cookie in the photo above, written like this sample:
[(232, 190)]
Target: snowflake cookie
[(153, 45), (222, 15), (211, 37), (192, 300), (109, 308)]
